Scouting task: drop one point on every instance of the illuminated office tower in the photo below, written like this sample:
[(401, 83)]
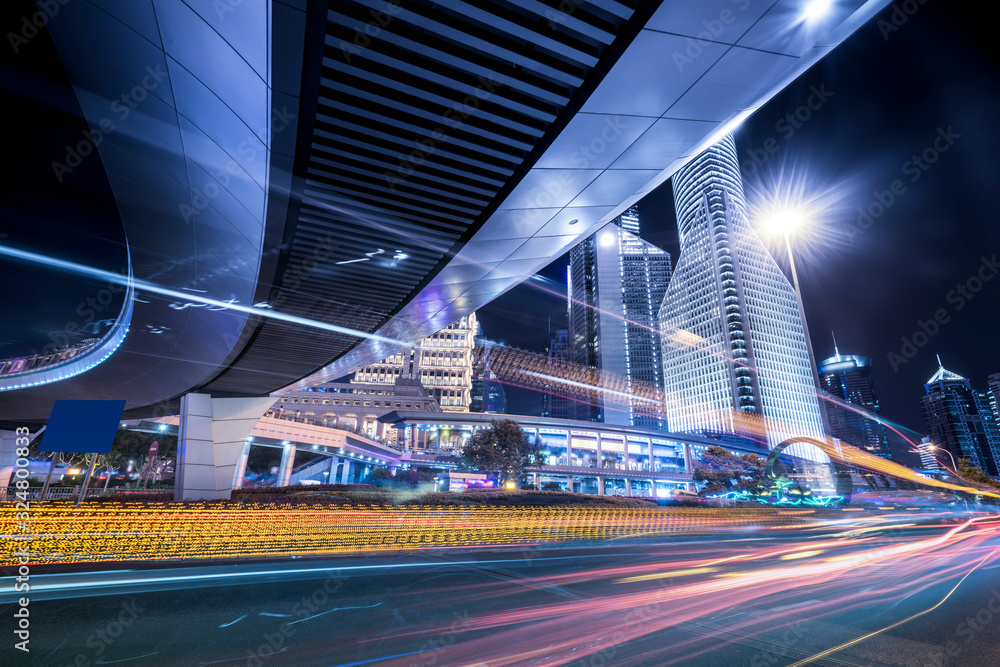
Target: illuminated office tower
[(616, 282), (733, 337), (442, 362), (848, 379), (960, 420), (928, 454), (554, 403), (993, 384)]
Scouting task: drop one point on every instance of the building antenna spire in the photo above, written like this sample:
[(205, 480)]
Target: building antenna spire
[(836, 352), (940, 365)]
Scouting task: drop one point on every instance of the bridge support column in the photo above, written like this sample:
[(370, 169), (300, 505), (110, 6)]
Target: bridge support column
[(346, 471), (287, 462), (213, 432), (332, 477), (688, 463), (241, 467), (628, 487), (600, 485), (8, 448)]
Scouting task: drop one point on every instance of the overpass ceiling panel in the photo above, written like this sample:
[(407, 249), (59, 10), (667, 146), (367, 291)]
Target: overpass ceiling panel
[(543, 247), (219, 122), (216, 239), (463, 273), (732, 83), (448, 292), (237, 217), (497, 250), (210, 158), (663, 142), (542, 188), (136, 14), (516, 224), (572, 220), (647, 79), (222, 71), (242, 24), (606, 190), (138, 177), (713, 20), (516, 268), (488, 287), (784, 30), (593, 141), (111, 46)]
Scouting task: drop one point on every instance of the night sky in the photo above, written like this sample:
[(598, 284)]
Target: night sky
[(891, 95), (870, 283)]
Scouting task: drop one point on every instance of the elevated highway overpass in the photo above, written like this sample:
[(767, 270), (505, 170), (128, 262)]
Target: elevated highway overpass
[(307, 186)]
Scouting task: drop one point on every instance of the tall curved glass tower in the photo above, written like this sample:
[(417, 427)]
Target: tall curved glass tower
[(734, 348)]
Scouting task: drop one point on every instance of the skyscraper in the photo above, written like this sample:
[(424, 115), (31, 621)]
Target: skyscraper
[(733, 338), (928, 454), (442, 362), (960, 420), (487, 393), (555, 404), (993, 388), (848, 378), (616, 282)]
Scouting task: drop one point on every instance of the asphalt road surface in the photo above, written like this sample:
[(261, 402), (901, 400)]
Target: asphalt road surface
[(897, 592)]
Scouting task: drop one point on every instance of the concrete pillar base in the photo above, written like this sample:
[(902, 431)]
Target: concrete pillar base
[(213, 433), (287, 463)]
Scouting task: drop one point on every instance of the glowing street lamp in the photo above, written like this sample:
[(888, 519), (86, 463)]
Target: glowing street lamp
[(935, 448), (787, 222), (816, 9)]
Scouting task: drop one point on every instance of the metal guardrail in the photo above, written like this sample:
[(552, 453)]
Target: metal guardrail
[(65, 493)]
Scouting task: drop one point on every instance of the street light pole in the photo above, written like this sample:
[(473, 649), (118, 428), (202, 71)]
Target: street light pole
[(805, 330), (954, 465)]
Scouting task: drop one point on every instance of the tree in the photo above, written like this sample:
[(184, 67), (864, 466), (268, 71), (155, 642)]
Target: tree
[(502, 450), (724, 471), (974, 473)]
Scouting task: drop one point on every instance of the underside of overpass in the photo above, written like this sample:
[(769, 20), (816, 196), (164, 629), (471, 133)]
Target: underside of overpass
[(306, 187)]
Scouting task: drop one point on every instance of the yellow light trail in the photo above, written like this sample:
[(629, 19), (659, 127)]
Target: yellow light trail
[(123, 531), (811, 659)]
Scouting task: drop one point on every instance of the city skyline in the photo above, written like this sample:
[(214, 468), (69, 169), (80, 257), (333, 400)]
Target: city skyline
[(900, 269)]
